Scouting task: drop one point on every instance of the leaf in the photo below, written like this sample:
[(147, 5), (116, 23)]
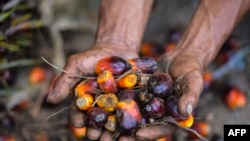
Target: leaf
[(5, 15), (9, 46), (19, 63), (23, 42), (2, 37), (21, 19), (24, 26)]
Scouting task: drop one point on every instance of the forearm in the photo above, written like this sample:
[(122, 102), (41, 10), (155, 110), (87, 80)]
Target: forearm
[(123, 22), (211, 25)]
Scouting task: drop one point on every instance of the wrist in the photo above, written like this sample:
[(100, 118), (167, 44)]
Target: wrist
[(117, 41), (123, 22)]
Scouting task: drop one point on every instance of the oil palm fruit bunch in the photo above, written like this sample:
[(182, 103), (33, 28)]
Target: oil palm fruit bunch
[(126, 95)]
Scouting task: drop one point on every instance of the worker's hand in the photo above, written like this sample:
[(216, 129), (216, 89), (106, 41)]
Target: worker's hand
[(186, 71), (81, 64)]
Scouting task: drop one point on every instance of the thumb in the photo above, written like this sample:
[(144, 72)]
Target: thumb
[(189, 87), (64, 83)]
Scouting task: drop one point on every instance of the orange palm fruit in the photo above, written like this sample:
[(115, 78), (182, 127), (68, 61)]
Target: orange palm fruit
[(188, 122), (87, 86), (170, 46), (37, 75), (235, 98), (40, 137), (7, 138), (128, 81), (78, 132), (107, 101), (111, 123), (107, 82), (151, 49), (84, 102), (165, 138), (128, 115), (144, 64), (203, 128), (114, 64), (207, 78)]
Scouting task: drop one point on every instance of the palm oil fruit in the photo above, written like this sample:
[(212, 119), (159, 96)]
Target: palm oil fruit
[(201, 127), (107, 101), (160, 85), (171, 108), (127, 81), (155, 108), (37, 75), (87, 86), (235, 99), (111, 123), (114, 64), (96, 117), (128, 115), (143, 64), (78, 132), (128, 94), (188, 122), (84, 102), (107, 82)]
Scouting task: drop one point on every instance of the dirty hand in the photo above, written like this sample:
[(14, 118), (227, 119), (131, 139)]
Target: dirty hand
[(186, 71), (81, 64)]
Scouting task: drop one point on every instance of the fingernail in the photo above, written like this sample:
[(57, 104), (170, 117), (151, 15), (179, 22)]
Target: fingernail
[(189, 108)]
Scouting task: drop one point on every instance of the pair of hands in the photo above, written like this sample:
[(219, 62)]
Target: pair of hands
[(177, 63)]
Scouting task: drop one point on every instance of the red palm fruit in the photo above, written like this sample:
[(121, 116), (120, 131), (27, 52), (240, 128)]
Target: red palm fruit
[(188, 122), (160, 85), (170, 46), (114, 64), (128, 115), (107, 101), (127, 81), (107, 82), (78, 132), (111, 123), (84, 102), (96, 117), (37, 75), (171, 108), (144, 64), (203, 128), (155, 108), (87, 86), (235, 98)]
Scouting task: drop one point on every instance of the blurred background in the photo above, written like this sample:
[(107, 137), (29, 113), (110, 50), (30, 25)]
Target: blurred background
[(31, 29)]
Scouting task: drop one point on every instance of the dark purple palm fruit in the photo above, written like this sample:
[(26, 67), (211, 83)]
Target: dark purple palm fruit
[(96, 117), (155, 108), (171, 108), (160, 85)]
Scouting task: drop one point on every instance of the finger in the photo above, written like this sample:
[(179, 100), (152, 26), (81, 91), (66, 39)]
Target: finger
[(93, 133), (77, 118), (191, 93), (106, 136), (127, 138), (154, 132), (64, 83)]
